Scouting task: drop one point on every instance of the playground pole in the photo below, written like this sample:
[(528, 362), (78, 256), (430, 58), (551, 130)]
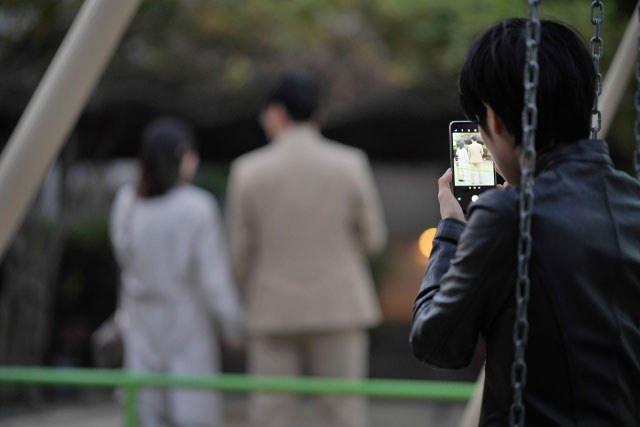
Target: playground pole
[(617, 77), (56, 105)]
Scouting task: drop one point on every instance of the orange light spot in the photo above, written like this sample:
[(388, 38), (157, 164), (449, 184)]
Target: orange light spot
[(425, 242)]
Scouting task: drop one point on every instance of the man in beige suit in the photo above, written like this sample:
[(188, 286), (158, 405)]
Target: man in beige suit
[(303, 215), (476, 154)]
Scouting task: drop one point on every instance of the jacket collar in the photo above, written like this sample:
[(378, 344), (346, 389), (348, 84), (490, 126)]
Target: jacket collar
[(297, 135), (585, 150)]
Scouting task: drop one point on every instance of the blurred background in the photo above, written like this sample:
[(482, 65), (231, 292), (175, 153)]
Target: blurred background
[(388, 72)]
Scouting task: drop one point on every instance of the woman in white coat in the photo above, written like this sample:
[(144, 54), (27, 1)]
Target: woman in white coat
[(176, 280), (463, 162)]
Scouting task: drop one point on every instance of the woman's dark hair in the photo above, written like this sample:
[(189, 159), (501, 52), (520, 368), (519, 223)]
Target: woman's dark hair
[(493, 70), (298, 93), (164, 142)]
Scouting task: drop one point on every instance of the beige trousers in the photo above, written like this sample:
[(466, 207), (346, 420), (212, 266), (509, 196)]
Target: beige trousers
[(476, 173), (338, 354)]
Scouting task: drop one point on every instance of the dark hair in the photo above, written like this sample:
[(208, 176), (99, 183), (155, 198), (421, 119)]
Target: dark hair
[(298, 93), (493, 69), (164, 143)]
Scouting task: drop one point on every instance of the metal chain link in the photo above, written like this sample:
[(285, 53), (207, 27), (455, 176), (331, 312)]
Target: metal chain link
[(596, 42), (636, 128), (528, 166)]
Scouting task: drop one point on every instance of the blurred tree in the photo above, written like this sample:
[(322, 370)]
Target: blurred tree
[(28, 279), (210, 59)]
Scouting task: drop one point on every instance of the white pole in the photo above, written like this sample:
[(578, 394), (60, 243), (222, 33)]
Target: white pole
[(616, 80), (56, 104), (471, 414)]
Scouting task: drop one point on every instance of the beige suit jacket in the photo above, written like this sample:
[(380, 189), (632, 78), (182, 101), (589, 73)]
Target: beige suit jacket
[(303, 213), (475, 153)]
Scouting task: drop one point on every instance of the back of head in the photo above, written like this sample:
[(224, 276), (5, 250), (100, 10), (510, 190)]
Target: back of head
[(493, 71), (165, 141), (298, 93)]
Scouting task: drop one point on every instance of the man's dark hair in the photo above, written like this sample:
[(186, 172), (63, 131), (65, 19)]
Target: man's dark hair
[(298, 93), (164, 142), (493, 69)]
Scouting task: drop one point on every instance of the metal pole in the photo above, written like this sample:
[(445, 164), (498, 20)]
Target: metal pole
[(471, 414), (617, 78), (130, 404), (56, 104), (377, 388)]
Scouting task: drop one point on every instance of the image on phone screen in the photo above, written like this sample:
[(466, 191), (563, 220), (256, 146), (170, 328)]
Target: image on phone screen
[(471, 162)]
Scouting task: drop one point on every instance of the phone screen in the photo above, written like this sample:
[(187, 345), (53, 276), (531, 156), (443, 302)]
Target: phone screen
[(471, 162)]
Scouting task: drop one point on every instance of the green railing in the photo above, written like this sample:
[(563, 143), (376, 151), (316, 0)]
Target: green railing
[(131, 383)]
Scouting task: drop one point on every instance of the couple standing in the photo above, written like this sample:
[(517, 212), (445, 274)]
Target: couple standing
[(303, 214), (470, 156)]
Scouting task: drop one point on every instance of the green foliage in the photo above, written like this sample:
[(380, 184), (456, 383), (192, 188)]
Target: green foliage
[(436, 34), (230, 44), (88, 272), (90, 234), (213, 179), (222, 53), (404, 41)]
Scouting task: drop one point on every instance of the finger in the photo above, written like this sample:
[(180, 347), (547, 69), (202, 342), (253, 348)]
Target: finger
[(444, 186), (445, 179)]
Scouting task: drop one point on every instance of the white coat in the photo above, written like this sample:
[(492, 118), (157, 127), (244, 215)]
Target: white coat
[(175, 276), (463, 157), (463, 163)]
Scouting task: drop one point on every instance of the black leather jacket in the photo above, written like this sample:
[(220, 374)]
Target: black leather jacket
[(583, 353)]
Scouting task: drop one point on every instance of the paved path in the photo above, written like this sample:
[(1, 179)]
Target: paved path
[(384, 413)]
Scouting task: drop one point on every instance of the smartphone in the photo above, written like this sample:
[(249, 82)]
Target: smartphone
[(471, 163)]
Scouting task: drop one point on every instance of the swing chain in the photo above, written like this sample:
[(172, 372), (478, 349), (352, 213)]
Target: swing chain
[(597, 49), (636, 128), (528, 166)]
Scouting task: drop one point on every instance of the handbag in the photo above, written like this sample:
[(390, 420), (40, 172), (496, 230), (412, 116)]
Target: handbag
[(107, 343)]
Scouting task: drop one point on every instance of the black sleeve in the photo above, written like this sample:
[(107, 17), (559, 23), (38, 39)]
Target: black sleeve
[(466, 282)]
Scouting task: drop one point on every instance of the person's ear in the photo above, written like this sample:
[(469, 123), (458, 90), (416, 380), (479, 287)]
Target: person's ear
[(494, 122)]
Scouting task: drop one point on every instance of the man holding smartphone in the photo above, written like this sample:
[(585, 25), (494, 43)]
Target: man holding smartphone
[(583, 351)]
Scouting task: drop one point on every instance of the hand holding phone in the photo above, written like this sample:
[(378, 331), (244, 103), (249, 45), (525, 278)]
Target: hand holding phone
[(449, 206), (471, 163)]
